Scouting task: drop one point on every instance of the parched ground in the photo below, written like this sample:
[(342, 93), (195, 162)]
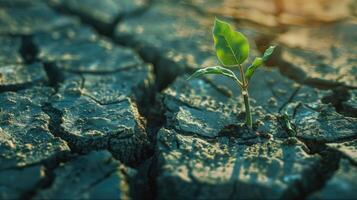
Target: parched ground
[(94, 101)]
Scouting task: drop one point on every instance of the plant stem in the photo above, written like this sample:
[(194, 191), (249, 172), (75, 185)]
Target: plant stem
[(248, 115), (241, 71)]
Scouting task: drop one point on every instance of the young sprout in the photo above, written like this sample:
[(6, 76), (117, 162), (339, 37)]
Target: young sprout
[(232, 49)]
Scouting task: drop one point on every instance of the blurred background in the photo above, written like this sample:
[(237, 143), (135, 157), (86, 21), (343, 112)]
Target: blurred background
[(275, 13)]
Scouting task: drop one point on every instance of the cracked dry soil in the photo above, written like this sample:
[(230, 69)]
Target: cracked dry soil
[(94, 102)]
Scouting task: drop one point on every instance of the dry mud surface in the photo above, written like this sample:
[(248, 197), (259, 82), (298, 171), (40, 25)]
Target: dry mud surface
[(94, 102)]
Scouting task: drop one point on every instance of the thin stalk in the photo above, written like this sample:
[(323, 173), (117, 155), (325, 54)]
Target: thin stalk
[(241, 71), (248, 115)]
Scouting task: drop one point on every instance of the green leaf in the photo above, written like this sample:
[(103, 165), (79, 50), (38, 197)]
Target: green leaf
[(214, 70), (258, 62), (232, 47), (268, 52), (251, 69)]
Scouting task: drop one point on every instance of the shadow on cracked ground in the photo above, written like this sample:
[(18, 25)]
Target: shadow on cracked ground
[(94, 101)]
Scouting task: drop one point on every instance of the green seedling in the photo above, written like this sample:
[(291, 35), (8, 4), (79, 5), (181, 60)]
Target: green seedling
[(232, 49)]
